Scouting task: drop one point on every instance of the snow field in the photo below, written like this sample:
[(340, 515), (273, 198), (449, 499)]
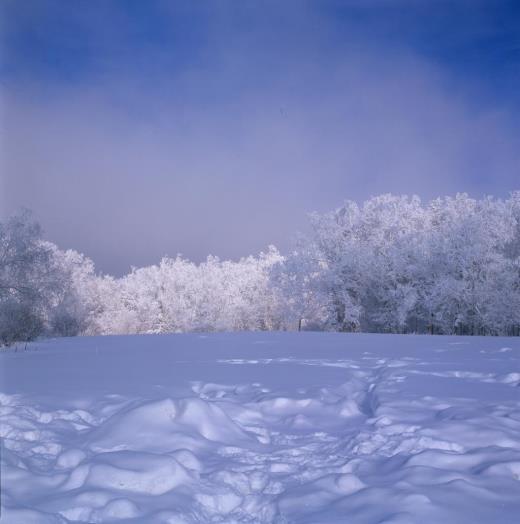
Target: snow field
[(262, 428)]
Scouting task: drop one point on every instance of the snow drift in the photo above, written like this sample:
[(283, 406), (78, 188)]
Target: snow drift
[(261, 428)]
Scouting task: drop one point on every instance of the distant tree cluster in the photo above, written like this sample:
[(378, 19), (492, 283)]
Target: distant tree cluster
[(178, 296), (390, 265), (394, 265), (44, 290)]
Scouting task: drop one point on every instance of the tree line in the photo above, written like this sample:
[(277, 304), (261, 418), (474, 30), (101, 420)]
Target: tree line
[(389, 265)]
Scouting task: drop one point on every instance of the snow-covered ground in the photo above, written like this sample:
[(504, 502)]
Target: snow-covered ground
[(262, 427)]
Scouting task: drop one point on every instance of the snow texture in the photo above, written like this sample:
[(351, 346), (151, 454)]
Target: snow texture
[(262, 428)]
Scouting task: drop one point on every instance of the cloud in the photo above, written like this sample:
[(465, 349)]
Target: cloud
[(226, 149)]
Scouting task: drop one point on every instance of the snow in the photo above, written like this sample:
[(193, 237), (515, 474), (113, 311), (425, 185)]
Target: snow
[(261, 428)]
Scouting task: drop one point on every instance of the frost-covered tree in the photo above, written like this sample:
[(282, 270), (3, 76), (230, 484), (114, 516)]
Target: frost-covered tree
[(391, 264), (357, 254), (84, 296), (395, 265), (179, 296), (29, 279)]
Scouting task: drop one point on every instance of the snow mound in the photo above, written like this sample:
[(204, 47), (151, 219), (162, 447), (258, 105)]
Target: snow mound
[(167, 425)]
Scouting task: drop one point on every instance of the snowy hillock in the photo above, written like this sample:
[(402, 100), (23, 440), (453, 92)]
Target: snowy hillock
[(261, 428)]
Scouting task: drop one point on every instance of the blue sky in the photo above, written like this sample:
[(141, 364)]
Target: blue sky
[(137, 129)]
